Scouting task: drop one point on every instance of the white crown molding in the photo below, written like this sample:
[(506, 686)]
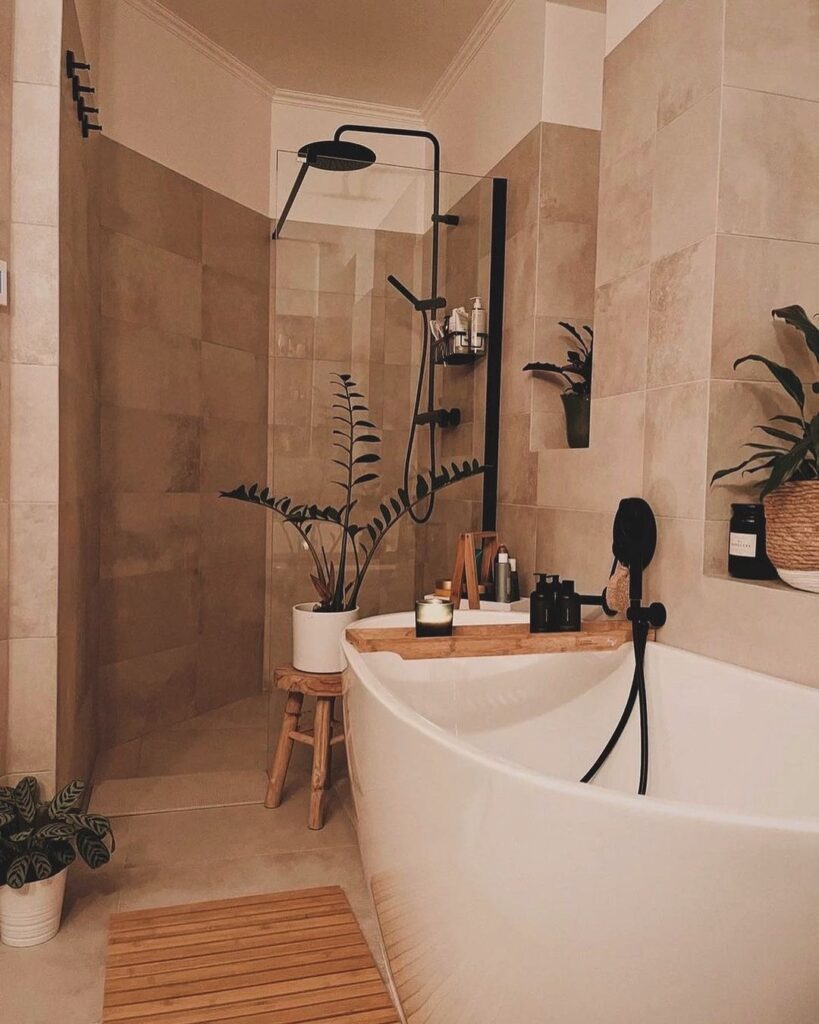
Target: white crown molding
[(197, 40), (362, 110), (467, 52)]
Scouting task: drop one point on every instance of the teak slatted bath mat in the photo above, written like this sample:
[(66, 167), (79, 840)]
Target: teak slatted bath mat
[(284, 958), (492, 640)]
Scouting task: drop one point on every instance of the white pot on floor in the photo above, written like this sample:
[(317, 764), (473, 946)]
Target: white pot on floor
[(317, 638), (31, 915)]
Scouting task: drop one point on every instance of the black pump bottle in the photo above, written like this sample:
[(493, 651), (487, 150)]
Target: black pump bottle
[(543, 604), (569, 607)]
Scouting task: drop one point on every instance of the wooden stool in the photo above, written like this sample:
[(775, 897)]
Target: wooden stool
[(325, 688)]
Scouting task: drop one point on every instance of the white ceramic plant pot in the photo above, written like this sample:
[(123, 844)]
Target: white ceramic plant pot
[(317, 638), (31, 915)]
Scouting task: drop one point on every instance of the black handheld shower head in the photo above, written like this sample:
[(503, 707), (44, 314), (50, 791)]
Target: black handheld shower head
[(634, 535)]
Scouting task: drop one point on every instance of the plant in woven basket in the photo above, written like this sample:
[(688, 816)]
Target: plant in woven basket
[(337, 581), (40, 838), (788, 453)]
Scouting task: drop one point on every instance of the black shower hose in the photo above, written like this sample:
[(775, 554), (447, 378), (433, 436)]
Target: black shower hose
[(639, 634), (426, 355)]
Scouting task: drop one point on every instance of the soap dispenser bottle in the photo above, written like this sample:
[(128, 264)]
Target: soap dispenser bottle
[(477, 328), (503, 576), (543, 604), (569, 608)]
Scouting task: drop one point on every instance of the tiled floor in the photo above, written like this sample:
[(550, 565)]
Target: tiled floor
[(179, 857)]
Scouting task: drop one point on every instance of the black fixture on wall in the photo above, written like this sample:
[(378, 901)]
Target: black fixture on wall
[(79, 92)]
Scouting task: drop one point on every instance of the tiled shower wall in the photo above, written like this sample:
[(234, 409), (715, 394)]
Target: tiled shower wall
[(6, 52), (183, 383), (707, 220), (79, 436), (334, 313)]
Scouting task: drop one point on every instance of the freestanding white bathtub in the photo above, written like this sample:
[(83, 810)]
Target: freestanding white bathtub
[(509, 893)]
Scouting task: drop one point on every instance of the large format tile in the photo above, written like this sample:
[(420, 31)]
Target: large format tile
[(34, 328), (165, 459), (621, 334), (235, 239), (233, 452), (676, 434), (630, 92), (148, 201), (768, 180), (148, 613), (565, 269), (754, 276), (689, 54), (33, 538), (686, 171), (569, 174), (680, 315), (234, 311), (34, 164), (32, 704), (142, 533), (37, 28), (772, 47), (34, 433), (182, 751), (234, 384), (624, 224), (143, 284)]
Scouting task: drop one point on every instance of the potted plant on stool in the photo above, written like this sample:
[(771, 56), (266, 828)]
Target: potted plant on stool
[(38, 841), (319, 625), (576, 396), (790, 458)]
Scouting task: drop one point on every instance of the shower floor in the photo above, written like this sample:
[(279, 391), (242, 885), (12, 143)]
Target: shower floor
[(174, 856)]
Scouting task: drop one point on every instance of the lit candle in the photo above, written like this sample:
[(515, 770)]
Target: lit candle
[(433, 617)]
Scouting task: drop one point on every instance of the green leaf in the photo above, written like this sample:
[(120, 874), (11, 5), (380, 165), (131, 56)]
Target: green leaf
[(368, 439), (41, 866), (18, 871), (385, 514), (55, 830), (21, 837), (62, 854), (783, 435), (364, 478), (787, 378), (68, 798), (798, 318), (92, 850), (367, 457), (25, 798), (735, 469), (421, 487)]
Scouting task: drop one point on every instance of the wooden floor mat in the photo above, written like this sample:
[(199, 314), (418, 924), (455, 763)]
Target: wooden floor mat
[(285, 958)]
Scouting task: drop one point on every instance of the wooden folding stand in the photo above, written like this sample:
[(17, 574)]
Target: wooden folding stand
[(466, 566)]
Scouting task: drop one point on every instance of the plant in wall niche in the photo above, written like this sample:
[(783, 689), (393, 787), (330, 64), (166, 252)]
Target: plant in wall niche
[(577, 374), (338, 577), (788, 458), (38, 841)]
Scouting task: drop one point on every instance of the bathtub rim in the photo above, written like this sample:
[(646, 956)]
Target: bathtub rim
[(632, 802)]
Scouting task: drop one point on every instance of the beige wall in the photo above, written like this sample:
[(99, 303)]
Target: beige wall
[(79, 486), (6, 56), (34, 352), (706, 221), (184, 333)]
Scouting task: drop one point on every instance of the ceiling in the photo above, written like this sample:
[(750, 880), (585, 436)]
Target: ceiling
[(382, 51)]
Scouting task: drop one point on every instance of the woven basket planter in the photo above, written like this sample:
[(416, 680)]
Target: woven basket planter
[(792, 530)]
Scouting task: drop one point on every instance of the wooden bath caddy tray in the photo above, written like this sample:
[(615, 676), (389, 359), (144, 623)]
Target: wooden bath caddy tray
[(491, 641)]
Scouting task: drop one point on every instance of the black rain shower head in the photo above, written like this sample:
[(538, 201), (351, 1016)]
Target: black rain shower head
[(326, 155), (336, 155)]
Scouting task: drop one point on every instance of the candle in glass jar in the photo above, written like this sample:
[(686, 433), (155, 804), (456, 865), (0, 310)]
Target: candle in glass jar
[(433, 617)]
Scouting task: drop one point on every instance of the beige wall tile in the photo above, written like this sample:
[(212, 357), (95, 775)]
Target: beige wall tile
[(770, 149), (520, 347), (565, 269), (234, 311), (32, 704), (146, 693), (575, 544), (147, 613), (33, 570), (166, 458), (735, 408), (624, 224), (4, 592), (142, 284), (34, 294), (569, 174), (149, 533), (754, 276), (34, 433), (520, 168), (293, 336), (675, 449), (685, 178), (293, 386), (517, 529), (772, 47), (689, 52), (517, 464), (297, 265), (144, 368), (152, 203), (34, 163), (682, 290), (232, 453), (520, 278), (232, 532), (234, 384), (234, 238), (630, 93), (37, 55), (621, 335)]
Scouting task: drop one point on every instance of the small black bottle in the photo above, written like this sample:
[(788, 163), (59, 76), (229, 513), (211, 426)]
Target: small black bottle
[(747, 557), (543, 604), (569, 608)]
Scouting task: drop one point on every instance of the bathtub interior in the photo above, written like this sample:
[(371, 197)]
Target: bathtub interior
[(720, 736)]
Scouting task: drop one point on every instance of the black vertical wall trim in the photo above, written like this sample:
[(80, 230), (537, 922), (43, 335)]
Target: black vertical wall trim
[(494, 355)]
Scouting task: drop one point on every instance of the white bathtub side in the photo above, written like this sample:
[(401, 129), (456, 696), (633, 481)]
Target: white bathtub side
[(506, 897)]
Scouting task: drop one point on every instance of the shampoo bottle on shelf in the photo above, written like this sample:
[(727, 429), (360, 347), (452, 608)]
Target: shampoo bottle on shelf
[(543, 604), (503, 576), (477, 328), (569, 607)]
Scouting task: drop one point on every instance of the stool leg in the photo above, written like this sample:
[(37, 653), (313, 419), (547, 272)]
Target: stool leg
[(284, 748), (328, 779), (321, 754)]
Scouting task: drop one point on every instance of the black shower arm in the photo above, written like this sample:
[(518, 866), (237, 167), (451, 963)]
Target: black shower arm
[(290, 199)]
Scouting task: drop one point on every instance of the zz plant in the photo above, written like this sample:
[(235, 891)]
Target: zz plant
[(40, 838), (338, 582), (790, 452)]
